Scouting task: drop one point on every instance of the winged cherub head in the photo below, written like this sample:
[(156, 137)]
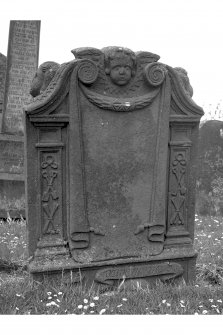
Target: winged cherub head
[(120, 64)]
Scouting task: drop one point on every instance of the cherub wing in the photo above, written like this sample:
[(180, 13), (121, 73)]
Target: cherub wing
[(144, 57)]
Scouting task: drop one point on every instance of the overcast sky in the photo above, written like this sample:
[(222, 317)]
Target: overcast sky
[(185, 33)]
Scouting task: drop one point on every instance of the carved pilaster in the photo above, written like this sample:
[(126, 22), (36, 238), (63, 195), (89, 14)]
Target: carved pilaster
[(50, 196), (179, 149), (177, 198), (50, 156)]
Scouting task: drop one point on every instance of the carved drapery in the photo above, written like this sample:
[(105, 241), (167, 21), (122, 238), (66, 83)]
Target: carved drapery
[(84, 75), (120, 104), (154, 75)]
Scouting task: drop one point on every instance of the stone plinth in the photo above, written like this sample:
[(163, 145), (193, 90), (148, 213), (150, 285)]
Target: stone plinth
[(111, 147), (22, 62)]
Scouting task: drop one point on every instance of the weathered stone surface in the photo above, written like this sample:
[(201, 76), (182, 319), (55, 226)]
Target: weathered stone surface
[(161, 270), (2, 79), (12, 188), (110, 154), (11, 155), (209, 199), (22, 61), (210, 154)]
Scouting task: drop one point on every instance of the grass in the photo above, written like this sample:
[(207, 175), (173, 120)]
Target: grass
[(19, 294)]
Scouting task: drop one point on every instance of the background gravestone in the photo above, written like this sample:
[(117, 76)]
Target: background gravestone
[(22, 62), (210, 159), (111, 147), (2, 81)]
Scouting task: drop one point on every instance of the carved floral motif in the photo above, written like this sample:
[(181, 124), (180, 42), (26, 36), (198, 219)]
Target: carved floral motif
[(178, 197), (50, 195)]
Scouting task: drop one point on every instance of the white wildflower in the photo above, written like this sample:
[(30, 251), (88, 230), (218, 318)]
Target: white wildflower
[(52, 303), (102, 311)]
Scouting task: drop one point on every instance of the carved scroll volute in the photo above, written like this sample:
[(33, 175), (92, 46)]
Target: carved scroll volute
[(155, 74), (87, 71)]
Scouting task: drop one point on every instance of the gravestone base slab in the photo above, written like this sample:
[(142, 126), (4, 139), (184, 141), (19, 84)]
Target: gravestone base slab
[(171, 266), (12, 197)]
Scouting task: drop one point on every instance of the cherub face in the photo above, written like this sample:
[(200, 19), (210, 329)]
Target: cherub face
[(121, 74), (121, 71)]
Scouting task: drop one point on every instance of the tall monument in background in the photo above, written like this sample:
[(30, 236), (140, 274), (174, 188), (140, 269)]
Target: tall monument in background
[(22, 62)]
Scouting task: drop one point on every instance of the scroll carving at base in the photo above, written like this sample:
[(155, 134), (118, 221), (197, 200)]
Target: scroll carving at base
[(163, 271)]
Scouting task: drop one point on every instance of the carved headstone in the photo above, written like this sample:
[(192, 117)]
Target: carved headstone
[(110, 148)]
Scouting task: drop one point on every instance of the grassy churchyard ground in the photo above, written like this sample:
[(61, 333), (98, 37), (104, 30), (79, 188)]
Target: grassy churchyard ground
[(19, 294)]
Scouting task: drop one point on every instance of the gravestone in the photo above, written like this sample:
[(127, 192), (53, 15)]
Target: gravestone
[(111, 145), (2, 81), (22, 62), (210, 163)]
